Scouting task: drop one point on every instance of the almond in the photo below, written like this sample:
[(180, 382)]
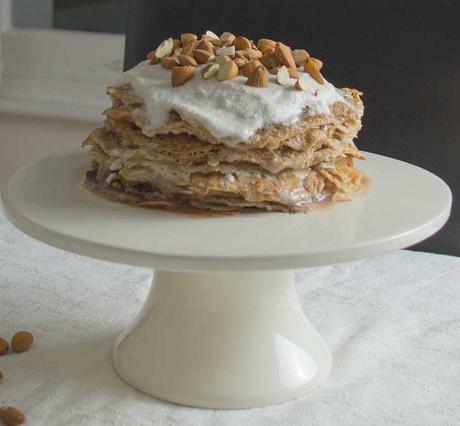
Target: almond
[(269, 60), (187, 60), (168, 62), (229, 50), (176, 44), (258, 77), (202, 56), (251, 53), (318, 63), (216, 42), (165, 48), (180, 75), (250, 67), (266, 42), (227, 71), (211, 34), (242, 43), (210, 71), (282, 77), (22, 341), (11, 416), (300, 56), (153, 58), (222, 59), (310, 67), (188, 38), (302, 82), (267, 49), (3, 346), (1, 376), (284, 56), (293, 72), (240, 62), (227, 38), (188, 48), (205, 45)]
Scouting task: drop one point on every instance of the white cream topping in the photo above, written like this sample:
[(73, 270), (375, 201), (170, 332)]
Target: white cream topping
[(229, 110)]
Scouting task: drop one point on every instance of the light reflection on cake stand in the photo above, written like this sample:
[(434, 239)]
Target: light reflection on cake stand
[(222, 326)]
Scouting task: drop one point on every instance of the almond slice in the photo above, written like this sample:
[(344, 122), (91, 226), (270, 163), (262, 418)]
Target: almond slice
[(250, 67), (212, 35), (227, 71), (282, 77), (153, 58), (318, 63), (210, 71), (203, 56), (188, 38), (284, 56), (300, 56), (302, 82), (228, 50), (187, 60), (311, 69), (227, 38), (168, 62), (221, 59), (165, 48), (242, 43), (258, 77), (180, 75)]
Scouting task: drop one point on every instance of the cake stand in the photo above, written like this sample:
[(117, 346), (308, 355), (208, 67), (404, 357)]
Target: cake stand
[(222, 326)]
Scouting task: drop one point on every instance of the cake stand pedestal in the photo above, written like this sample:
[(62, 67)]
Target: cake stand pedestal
[(222, 326)]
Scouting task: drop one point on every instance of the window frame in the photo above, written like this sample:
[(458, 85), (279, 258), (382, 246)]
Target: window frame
[(46, 72)]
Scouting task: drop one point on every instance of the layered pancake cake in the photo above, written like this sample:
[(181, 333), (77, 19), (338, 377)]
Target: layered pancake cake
[(223, 123)]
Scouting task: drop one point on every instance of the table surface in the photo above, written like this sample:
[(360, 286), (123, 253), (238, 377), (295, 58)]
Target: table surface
[(392, 322), (403, 205)]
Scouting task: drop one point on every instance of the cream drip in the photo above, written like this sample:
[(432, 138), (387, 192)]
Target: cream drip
[(229, 110)]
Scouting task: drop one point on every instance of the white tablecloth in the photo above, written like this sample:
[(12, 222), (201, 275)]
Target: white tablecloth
[(393, 324)]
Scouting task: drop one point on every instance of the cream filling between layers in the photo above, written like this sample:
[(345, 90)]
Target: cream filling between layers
[(228, 110)]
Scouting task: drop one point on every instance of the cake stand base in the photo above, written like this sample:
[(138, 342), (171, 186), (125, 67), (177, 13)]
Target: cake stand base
[(222, 340)]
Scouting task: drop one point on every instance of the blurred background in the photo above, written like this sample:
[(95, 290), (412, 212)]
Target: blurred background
[(57, 56)]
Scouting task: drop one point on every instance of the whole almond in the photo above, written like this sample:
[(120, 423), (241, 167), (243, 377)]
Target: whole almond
[(180, 75), (269, 60), (241, 62), (267, 49), (168, 62), (318, 63), (302, 82), (227, 38), (22, 341), (250, 67), (242, 43), (188, 38), (165, 48), (283, 55), (266, 42), (11, 416), (282, 76), (258, 77), (3, 346), (251, 53), (205, 45), (227, 71), (221, 59), (217, 43), (187, 49), (210, 71), (300, 56), (202, 56), (153, 58), (311, 69), (187, 60)]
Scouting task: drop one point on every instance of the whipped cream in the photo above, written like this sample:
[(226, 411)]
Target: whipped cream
[(229, 110)]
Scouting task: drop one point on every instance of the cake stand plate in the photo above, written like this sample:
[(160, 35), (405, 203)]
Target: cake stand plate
[(222, 326)]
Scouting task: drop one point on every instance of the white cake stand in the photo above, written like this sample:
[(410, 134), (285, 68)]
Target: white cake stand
[(222, 326)]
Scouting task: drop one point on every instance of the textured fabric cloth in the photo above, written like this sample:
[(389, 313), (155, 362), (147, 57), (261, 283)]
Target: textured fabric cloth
[(393, 324)]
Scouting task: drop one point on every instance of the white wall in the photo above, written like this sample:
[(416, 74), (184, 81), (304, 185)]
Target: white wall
[(24, 138)]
